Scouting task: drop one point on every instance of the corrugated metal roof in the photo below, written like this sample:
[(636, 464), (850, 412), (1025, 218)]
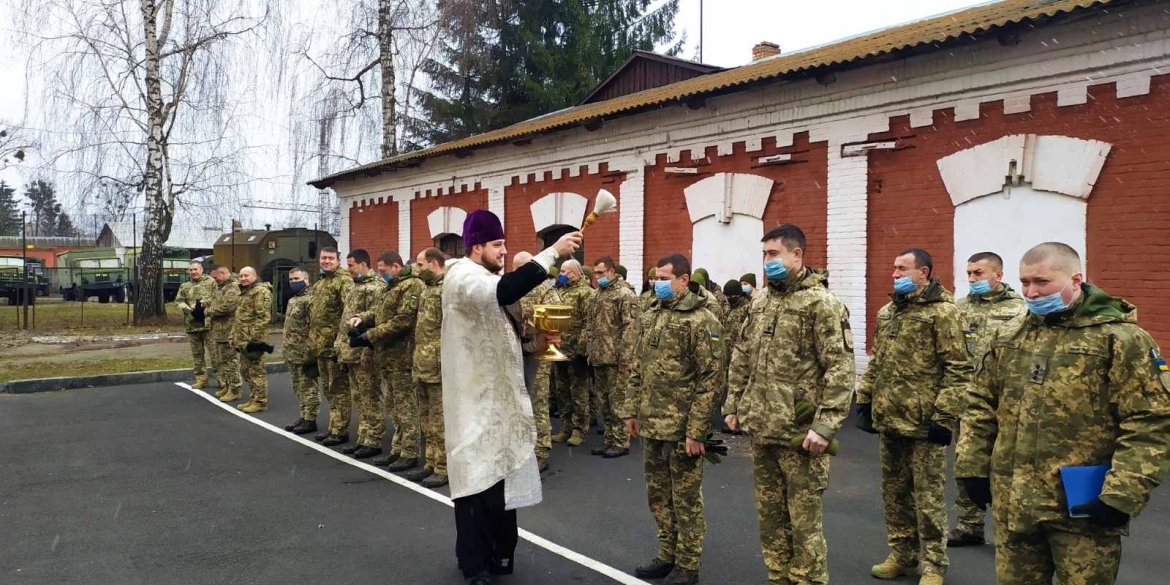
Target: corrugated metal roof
[(182, 236), (915, 34)]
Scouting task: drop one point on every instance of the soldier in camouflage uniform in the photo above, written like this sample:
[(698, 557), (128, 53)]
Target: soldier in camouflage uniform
[(613, 309), (573, 375), (193, 298), (1074, 382), (222, 311), (912, 392), (647, 297), (797, 346), (673, 386), (428, 369), (296, 352), (325, 311), (541, 295), (391, 331), (249, 329), (721, 308), (357, 359), (989, 305)]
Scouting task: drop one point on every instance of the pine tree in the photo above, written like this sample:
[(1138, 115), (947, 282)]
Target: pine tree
[(9, 212), (47, 216)]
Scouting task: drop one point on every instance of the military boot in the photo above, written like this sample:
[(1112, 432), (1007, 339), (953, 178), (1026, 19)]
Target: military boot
[(435, 481), (219, 393), (404, 464), (655, 569), (561, 436), (305, 427), (681, 576), (253, 407), (930, 576), (542, 464), (365, 452), (200, 383), (418, 474), (232, 395), (957, 538), (289, 428), (891, 569), (385, 460), (575, 440)]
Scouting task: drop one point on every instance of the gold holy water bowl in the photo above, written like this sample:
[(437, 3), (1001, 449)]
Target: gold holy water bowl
[(553, 319)]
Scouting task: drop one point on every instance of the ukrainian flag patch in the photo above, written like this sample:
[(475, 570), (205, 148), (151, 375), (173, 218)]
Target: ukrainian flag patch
[(1159, 362), (715, 336)]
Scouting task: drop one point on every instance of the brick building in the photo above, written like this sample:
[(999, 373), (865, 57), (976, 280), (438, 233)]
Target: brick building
[(991, 128)]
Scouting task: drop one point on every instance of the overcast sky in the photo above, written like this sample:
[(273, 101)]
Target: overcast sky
[(731, 28)]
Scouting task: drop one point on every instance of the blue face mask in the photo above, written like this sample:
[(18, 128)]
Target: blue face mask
[(297, 286), (904, 285), (747, 289), (981, 287), (388, 277), (776, 270), (562, 280), (1048, 304), (603, 281), (662, 290)]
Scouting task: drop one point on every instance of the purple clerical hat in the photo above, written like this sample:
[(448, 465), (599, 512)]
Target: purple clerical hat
[(481, 227)]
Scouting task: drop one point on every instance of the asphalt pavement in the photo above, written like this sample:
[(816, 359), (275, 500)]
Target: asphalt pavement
[(154, 484)]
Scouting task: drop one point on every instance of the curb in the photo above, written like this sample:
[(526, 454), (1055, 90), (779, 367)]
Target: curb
[(54, 384)]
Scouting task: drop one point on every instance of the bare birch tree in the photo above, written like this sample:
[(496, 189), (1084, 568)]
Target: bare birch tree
[(140, 96), (14, 145)]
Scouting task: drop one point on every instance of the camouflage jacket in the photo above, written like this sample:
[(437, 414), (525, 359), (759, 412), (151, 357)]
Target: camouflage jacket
[(223, 309), (201, 289), (253, 314), (579, 296), (983, 314), (735, 322), (523, 312), (392, 321), (797, 345), (362, 297), (675, 378), (1082, 387), (325, 309), (612, 310), (296, 328), (646, 299), (428, 331), (920, 367), (722, 307)]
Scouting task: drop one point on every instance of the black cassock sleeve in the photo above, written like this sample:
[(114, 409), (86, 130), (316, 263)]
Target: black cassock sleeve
[(514, 285)]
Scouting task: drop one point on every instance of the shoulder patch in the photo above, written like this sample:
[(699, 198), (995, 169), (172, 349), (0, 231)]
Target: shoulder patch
[(715, 336)]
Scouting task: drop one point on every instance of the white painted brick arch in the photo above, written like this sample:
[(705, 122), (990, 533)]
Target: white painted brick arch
[(727, 217), (446, 220), (558, 209)]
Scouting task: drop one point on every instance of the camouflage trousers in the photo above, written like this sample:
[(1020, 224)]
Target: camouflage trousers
[(607, 388), (674, 488), (226, 362), (201, 346), (402, 402), (430, 407), (252, 371), (365, 387), (540, 410), (790, 487), (914, 476), (1080, 555), (970, 516), (335, 382), (573, 382), (304, 387)]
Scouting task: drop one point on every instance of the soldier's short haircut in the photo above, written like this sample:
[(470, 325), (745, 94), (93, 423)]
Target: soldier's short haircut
[(1063, 256), (390, 258), (298, 269), (360, 256), (789, 234), (573, 266), (199, 262), (991, 257), (621, 270), (215, 267), (679, 265), (605, 261), (435, 255), (329, 250), (921, 258)]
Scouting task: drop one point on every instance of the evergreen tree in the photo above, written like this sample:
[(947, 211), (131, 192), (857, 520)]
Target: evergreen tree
[(48, 218), (9, 213)]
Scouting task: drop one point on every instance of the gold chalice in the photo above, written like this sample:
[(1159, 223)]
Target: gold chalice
[(553, 319)]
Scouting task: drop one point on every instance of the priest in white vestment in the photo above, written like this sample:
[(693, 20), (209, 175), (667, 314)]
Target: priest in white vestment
[(490, 432)]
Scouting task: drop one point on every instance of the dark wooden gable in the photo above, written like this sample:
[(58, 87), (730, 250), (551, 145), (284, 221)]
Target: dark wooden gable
[(644, 70)]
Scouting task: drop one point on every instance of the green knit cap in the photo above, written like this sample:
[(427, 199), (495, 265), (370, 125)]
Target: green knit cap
[(700, 276)]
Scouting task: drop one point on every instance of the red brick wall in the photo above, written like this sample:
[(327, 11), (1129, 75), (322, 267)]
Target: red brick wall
[(909, 206), (601, 239), (798, 195), (49, 255), (374, 227), (420, 231)]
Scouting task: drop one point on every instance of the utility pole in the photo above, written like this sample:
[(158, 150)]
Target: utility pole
[(24, 256), (700, 31)]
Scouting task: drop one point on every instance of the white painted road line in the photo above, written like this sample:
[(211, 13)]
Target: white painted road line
[(540, 541)]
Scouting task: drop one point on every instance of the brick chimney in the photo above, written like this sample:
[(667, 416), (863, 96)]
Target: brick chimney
[(764, 50)]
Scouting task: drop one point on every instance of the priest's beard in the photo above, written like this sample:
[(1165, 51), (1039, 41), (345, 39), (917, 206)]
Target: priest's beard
[(493, 266)]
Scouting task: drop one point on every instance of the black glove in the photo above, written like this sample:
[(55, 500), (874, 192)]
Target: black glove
[(714, 449), (865, 418), (978, 490), (1102, 514), (197, 313), (938, 434), (258, 347), (360, 340)]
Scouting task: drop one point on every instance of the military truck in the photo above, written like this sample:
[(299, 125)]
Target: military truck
[(94, 272), (12, 280), (175, 261), (273, 253), (36, 266)]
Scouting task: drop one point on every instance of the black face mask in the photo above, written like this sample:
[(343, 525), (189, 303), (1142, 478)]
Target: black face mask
[(297, 286), (427, 276)]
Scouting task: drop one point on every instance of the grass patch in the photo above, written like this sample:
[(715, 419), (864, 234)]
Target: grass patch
[(61, 317), (32, 370)]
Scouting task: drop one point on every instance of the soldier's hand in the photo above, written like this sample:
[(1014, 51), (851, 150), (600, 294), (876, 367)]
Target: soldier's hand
[(232, 343), (978, 490), (1101, 514), (815, 443), (569, 243), (543, 340), (354, 321), (632, 426), (732, 422), (695, 448)]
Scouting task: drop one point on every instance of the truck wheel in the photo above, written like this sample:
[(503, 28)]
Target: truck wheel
[(104, 298), (120, 295)]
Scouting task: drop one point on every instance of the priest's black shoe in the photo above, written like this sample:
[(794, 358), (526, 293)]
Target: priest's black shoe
[(351, 449), (333, 440), (367, 452), (321, 436), (655, 569), (306, 427), (418, 474), (481, 579), (403, 464), (501, 567), (294, 425), (385, 460), (597, 451), (615, 452)]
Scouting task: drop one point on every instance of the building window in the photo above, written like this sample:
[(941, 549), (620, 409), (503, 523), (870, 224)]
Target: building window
[(451, 245)]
